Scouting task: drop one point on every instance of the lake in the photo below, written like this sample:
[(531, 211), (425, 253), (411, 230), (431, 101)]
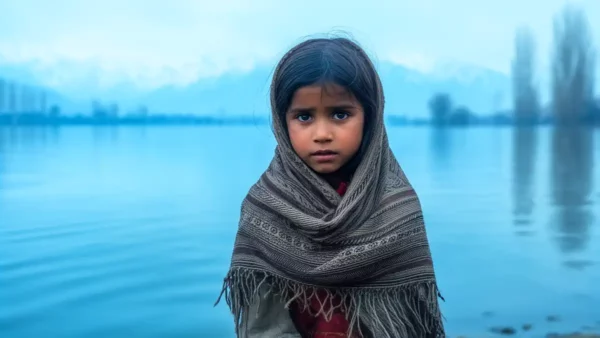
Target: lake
[(128, 231)]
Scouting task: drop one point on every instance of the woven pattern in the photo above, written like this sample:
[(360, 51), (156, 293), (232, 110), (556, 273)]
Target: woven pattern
[(369, 246)]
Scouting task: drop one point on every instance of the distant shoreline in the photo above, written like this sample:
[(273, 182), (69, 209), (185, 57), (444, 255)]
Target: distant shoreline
[(36, 119), (81, 120)]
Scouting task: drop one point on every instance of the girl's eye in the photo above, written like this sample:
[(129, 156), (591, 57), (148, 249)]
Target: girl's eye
[(303, 117), (341, 115)]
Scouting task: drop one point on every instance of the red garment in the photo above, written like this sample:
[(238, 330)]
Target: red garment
[(318, 327)]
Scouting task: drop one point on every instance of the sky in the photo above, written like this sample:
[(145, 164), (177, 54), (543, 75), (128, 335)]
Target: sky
[(155, 42)]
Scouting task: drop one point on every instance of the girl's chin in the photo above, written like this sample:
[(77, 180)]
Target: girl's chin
[(325, 168)]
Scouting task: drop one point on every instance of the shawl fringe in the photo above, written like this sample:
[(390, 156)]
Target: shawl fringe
[(406, 311)]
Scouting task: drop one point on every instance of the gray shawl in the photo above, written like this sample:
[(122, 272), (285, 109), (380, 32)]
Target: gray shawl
[(369, 247)]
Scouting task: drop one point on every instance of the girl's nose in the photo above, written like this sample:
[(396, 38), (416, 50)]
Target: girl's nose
[(322, 132)]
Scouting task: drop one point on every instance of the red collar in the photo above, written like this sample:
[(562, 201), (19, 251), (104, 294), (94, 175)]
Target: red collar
[(342, 188)]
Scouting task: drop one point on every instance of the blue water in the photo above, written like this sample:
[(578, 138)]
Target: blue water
[(127, 232)]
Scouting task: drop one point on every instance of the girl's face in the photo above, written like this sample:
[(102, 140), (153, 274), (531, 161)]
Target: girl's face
[(325, 126)]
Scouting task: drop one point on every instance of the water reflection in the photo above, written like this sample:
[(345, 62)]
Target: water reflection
[(19, 137), (571, 182), (440, 146), (101, 134), (525, 146)]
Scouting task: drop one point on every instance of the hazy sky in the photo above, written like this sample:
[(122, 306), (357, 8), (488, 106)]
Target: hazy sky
[(178, 40)]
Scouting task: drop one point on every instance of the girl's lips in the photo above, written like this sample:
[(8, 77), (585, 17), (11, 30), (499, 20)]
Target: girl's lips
[(322, 156), (324, 152)]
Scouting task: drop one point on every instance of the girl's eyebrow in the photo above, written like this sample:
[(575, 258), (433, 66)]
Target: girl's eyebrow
[(338, 106), (342, 105)]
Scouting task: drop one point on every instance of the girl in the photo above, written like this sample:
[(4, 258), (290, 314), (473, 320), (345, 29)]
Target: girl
[(331, 240)]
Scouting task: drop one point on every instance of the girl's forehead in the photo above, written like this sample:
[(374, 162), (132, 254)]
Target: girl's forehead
[(327, 91)]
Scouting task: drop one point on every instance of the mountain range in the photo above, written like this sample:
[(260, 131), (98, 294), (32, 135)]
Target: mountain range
[(407, 90)]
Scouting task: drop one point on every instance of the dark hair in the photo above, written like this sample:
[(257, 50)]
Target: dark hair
[(324, 61)]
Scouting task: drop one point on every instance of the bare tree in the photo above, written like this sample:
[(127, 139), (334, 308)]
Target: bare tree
[(24, 98), (524, 84), (3, 104), (43, 101), (12, 98), (440, 107), (573, 66)]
